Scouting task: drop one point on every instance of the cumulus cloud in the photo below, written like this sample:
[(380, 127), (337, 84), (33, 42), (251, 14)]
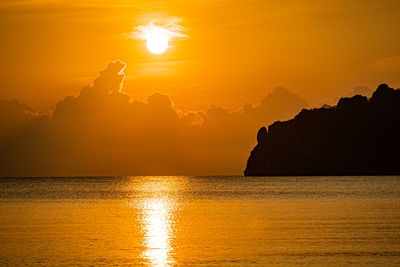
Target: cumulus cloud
[(103, 131)]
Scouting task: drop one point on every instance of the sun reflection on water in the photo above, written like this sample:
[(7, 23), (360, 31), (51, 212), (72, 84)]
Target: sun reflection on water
[(157, 211), (158, 232)]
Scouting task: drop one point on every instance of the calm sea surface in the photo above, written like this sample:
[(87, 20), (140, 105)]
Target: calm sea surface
[(208, 221)]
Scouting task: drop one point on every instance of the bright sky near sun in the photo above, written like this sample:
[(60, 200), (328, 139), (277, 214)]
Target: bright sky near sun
[(199, 52), (157, 37)]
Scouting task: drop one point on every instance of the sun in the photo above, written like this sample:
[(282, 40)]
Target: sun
[(157, 37), (157, 42)]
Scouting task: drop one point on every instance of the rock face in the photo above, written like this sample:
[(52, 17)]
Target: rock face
[(358, 136)]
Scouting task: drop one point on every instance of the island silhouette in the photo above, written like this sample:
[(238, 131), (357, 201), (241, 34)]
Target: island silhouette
[(358, 136)]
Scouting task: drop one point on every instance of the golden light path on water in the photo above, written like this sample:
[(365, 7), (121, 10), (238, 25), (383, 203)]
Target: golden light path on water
[(156, 209), (157, 227)]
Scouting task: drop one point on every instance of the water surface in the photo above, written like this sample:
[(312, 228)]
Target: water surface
[(209, 221)]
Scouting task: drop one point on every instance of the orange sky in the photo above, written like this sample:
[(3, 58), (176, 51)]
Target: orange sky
[(236, 51)]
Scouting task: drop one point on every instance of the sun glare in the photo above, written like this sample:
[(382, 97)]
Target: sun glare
[(157, 42), (157, 37)]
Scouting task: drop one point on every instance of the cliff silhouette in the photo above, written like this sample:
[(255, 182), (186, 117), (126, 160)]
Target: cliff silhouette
[(358, 136)]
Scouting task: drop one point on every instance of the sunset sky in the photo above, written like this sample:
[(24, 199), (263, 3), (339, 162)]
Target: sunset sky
[(176, 87), (233, 52)]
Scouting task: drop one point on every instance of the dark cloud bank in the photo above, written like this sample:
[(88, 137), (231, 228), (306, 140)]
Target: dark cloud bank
[(102, 131), (357, 136)]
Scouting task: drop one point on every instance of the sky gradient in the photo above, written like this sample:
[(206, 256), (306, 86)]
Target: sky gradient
[(236, 51), (92, 100)]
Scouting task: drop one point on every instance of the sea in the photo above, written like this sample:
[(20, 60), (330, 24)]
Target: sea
[(200, 221)]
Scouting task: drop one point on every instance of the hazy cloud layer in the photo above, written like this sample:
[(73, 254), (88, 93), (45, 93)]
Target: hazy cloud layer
[(102, 131), (386, 64)]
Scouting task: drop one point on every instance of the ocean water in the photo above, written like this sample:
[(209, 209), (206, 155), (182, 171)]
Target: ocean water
[(200, 221)]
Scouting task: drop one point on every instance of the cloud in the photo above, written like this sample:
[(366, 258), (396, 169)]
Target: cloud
[(358, 90), (361, 90), (103, 131), (171, 29), (14, 116), (386, 64)]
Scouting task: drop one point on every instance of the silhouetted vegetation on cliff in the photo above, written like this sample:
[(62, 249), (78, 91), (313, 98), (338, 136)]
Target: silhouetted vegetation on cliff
[(358, 136)]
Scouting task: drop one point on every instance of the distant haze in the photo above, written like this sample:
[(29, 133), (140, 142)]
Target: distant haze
[(103, 131)]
